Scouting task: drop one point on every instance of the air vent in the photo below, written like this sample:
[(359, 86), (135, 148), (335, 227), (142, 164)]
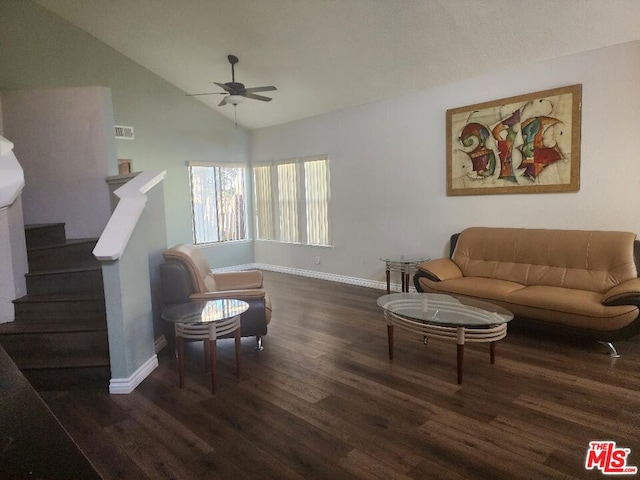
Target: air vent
[(124, 133)]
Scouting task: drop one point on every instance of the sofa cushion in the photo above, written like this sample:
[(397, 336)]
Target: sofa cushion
[(486, 288), (582, 260), (578, 308)]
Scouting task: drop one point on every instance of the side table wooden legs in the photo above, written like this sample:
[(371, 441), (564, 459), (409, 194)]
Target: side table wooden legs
[(214, 361), (238, 349), (460, 351), (404, 268), (209, 333), (180, 352), (388, 275)]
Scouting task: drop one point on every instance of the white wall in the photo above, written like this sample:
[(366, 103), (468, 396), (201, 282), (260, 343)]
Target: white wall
[(63, 139), (388, 165), (41, 50)]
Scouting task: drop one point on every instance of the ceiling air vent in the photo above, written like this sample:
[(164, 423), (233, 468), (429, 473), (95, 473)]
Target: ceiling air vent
[(124, 133)]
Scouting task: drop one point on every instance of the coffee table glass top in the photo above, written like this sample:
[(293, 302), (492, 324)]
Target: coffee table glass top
[(444, 310), (205, 312)]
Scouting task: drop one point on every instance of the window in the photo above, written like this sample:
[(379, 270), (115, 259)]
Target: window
[(292, 200), (218, 203)]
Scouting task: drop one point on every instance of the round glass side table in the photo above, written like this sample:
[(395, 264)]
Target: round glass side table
[(405, 266), (207, 321)]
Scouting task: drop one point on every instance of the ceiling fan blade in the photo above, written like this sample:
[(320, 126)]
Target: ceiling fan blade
[(223, 86), (260, 89), (223, 102), (209, 93), (257, 97)]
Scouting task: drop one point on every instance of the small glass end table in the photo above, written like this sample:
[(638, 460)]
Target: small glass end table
[(405, 266), (208, 320)]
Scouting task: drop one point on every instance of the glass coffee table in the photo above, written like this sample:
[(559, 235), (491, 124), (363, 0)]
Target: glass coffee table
[(207, 321), (434, 315)]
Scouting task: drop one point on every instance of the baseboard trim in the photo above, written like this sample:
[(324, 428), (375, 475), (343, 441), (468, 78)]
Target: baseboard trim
[(160, 343), (123, 386), (331, 277), (235, 268)]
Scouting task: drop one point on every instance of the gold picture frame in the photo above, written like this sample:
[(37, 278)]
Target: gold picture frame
[(523, 144)]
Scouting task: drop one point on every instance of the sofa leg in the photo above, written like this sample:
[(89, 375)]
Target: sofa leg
[(259, 346), (613, 353)]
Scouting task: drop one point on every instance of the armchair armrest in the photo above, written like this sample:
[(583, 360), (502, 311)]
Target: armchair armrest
[(238, 280), (440, 269), (251, 294), (627, 293)]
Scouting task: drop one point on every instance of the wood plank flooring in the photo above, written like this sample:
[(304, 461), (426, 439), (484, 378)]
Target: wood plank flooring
[(322, 401)]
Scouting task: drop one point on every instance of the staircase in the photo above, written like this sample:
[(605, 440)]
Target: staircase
[(59, 336)]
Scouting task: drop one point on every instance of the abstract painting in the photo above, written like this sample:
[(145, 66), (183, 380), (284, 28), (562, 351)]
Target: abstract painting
[(524, 144)]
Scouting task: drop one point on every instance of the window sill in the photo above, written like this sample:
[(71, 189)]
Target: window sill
[(220, 244), (295, 244)]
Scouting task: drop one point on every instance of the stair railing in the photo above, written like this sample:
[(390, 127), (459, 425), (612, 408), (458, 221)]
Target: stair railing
[(124, 219), (124, 251)]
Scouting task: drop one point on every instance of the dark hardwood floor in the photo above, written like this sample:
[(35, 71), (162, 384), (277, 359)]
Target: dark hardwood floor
[(323, 401)]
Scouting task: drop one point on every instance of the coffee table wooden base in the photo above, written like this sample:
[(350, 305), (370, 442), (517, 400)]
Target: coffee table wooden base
[(461, 335)]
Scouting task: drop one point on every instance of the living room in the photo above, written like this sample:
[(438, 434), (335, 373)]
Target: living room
[(386, 157), (388, 178)]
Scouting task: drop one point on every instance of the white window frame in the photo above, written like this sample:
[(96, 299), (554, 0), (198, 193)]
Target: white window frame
[(301, 207), (245, 187)]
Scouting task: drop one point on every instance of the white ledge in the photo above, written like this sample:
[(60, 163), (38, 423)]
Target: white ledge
[(125, 217), (11, 174)]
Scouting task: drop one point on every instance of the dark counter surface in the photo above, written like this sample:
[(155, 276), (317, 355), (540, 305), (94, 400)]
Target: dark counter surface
[(33, 443)]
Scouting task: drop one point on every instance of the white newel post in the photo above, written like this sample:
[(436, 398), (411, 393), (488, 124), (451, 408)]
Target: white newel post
[(13, 250)]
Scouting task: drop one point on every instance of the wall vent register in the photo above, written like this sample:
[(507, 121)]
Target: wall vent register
[(124, 133)]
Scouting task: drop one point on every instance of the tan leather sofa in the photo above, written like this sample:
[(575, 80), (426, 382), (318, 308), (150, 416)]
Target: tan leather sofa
[(584, 280), (186, 276)]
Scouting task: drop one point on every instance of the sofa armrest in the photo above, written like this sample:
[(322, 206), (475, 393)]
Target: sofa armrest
[(250, 294), (627, 293), (440, 269), (238, 280)]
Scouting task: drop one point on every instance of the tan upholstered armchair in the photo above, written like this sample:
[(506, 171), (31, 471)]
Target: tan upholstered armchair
[(186, 276)]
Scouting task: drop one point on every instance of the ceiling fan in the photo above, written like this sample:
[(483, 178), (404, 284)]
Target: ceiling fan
[(236, 92)]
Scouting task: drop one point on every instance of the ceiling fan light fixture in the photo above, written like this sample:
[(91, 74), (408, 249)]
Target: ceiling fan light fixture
[(234, 99)]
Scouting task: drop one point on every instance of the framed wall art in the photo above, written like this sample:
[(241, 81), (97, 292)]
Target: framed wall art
[(125, 166), (524, 144)]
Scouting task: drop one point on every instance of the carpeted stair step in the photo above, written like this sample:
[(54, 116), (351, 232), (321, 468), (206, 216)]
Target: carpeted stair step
[(61, 360), (96, 323), (57, 349), (66, 254), (65, 280), (38, 235), (95, 377), (59, 306)]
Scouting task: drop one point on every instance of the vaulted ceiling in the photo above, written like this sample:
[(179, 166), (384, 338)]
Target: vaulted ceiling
[(325, 55)]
